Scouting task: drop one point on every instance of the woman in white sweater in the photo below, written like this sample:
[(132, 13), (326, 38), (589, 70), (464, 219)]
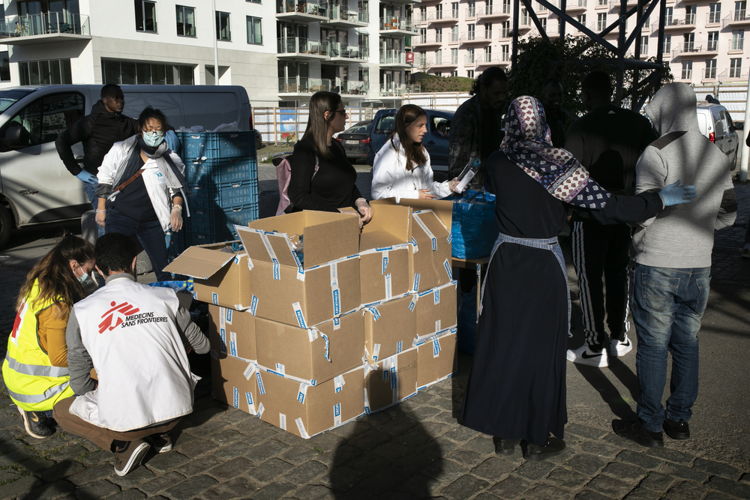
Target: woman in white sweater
[(402, 166)]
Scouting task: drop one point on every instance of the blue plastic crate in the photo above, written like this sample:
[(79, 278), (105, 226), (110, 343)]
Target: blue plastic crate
[(217, 145), (226, 195), (214, 224), (221, 171)]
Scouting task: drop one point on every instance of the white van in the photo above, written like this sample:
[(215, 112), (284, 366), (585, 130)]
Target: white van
[(715, 122), (35, 186)]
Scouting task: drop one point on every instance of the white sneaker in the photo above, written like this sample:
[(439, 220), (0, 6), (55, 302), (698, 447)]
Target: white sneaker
[(619, 348), (584, 356)]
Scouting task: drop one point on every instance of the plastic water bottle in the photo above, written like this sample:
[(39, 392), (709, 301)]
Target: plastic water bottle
[(467, 174)]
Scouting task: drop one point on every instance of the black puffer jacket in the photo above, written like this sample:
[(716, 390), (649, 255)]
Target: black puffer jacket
[(98, 131)]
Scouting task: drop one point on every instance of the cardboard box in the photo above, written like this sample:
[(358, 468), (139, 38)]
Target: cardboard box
[(233, 382), (232, 332), (309, 287), (384, 254), (430, 237), (220, 272), (390, 327), (390, 380), (436, 309), (436, 359), (315, 354), (306, 410)]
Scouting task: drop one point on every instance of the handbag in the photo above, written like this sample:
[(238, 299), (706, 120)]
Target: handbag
[(474, 228)]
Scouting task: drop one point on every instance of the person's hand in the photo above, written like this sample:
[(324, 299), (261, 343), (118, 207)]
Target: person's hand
[(425, 194), (453, 184), (175, 218), (677, 194), (101, 217), (364, 209), (87, 177)]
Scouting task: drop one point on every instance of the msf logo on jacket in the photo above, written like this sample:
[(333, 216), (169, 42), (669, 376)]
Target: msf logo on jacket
[(116, 316)]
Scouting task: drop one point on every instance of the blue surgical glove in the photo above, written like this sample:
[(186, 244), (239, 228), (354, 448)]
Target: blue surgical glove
[(677, 194), (87, 177)]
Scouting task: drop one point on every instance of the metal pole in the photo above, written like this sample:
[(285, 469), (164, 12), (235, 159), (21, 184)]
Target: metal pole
[(745, 149), (216, 44)]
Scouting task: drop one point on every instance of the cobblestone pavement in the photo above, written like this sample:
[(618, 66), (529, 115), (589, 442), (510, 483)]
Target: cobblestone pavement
[(418, 449)]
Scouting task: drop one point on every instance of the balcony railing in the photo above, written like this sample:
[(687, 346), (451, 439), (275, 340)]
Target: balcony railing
[(393, 89), (738, 17), (427, 41), (303, 85), (301, 46), (690, 49), (442, 18), (687, 23), (337, 14), (397, 24), (50, 23), (355, 87), (494, 11), (393, 57), (338, 50), (732, 76), (302, 7)]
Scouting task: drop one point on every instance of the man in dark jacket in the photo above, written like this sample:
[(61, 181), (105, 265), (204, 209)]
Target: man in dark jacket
[(608, 141), (97, 131)]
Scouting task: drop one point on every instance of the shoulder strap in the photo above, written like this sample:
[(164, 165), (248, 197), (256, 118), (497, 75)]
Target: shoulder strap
[(125, 184)]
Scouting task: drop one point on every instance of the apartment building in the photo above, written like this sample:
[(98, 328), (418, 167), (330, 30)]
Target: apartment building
[(704, 39), (280, 50)]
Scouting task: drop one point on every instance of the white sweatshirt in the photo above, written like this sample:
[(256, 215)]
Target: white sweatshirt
[(391, 179)]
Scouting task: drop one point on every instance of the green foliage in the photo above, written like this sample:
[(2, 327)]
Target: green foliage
[(568, 61), (434, 83)]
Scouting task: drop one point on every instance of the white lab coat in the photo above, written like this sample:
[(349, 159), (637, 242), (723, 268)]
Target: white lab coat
[(391, 179)]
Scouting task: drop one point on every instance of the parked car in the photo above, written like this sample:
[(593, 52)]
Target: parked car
[(436, 139), (715, 123), (356, 141), (36, 188)]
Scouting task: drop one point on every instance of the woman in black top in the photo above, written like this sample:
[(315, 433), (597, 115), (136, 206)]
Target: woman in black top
[(516, 389), (322, 177)]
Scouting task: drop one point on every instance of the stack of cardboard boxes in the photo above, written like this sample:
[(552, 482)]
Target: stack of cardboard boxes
[(314, 322)]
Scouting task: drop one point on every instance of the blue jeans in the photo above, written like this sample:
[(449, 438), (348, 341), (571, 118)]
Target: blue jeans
[(668, 307), (149, 234)]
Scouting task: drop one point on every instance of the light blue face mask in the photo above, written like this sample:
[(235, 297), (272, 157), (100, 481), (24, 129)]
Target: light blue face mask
[(153, 138)]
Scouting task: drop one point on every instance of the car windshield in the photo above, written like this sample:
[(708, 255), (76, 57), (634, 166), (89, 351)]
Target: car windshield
[(8, 97)]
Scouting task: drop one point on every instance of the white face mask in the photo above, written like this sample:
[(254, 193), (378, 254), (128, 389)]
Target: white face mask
[(153, 138)]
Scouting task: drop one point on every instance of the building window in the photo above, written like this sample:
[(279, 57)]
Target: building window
[(688, 42), (739, 10), (667, 44), (438, 35), (439, 11), (423, 13), (254, 31), (145, 72), (454, 56), (185, 21), (711, 69), (488, 54), (738, 40), (543, 22), (713, 40), (254, 1), (223, 33), (687, 70), (438, 56), (422, 35), (644, 44), (470, 73), (470, 55), (735, 67), (601, 3), (454, 10), (690, 14), (506, 6), (488, 31), (46, 72), (714, 13), (454, 33), (505, 52), (581, 19), (525, 17), (145, 16), (4, 66), (472, 31), (668, 15), (454, 73), (505, 30), (601, 21), (472, 9)]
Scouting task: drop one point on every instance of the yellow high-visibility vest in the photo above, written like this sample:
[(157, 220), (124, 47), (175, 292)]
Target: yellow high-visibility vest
[(32, 382)]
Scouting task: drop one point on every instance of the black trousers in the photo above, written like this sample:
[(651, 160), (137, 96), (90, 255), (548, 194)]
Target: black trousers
[(601, 259)]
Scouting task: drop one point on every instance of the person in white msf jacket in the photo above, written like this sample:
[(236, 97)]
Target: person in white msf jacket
[(135, 337), (402, 166)]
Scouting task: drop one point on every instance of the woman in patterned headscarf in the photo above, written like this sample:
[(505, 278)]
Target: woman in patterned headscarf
[(516, 390)]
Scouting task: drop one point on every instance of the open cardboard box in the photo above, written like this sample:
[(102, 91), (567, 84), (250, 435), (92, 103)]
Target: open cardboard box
[(430, 262), (316, 354), (232, 332), (304, 287), (220, 272)]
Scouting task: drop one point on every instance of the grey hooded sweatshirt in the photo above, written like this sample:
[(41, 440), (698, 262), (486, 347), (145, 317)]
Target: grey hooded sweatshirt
[(682, 236)]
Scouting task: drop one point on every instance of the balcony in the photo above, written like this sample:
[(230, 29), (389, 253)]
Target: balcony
[(301, 11), (574, 7), (393, 59), (343, 54), (477, 39), (686, 24), (494, 12), (615, 4), (302, 86), (470, 61), (433, 19), (694, 51), (443, 65), (44, 28), (354, 87), (739, 18), (693, 2), (397, 26), (496, 61), (340, 18), (301, 49), (732, 76), (427, 43), (393, 89)]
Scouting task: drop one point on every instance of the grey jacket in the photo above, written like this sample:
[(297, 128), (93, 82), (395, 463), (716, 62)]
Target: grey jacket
[(682, 236)]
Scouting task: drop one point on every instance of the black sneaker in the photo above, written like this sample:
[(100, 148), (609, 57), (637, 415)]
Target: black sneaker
[(634, 431), (550, 448), (129, 455), (505, 446), (36, 424), (161, 443), (676, 429)]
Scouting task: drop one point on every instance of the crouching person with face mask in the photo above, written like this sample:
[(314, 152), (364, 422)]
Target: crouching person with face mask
[(35, 369), (136, 337), (141, 189)]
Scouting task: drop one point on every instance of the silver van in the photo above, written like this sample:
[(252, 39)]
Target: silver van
[(715, 122), (35, 186)]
